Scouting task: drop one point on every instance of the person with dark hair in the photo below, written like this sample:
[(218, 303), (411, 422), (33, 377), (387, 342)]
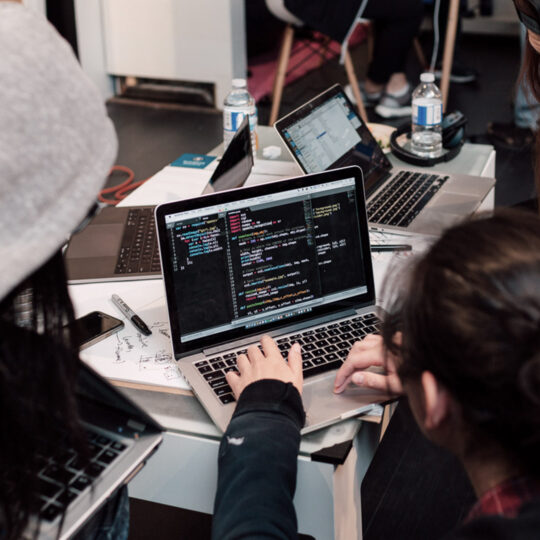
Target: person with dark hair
[(461, 340), (56, 148)]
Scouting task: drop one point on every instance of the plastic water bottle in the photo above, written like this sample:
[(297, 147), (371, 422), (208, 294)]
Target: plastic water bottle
[(237, 104), (426, 138)]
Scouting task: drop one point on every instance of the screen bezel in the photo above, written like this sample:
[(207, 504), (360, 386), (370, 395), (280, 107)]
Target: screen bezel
[(238, 151), (180, 348), (372, 179)]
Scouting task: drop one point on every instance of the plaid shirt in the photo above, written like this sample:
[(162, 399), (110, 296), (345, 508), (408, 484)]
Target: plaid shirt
[(505, 499)]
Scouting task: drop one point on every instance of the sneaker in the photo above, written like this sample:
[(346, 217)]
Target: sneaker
[(460, 74), (370, 99), (395, 105)]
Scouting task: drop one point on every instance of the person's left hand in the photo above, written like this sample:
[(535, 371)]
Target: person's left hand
[(269, 364)]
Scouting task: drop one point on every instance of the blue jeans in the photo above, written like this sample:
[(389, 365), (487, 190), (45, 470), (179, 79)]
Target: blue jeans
[(526, 108), (111, 522)]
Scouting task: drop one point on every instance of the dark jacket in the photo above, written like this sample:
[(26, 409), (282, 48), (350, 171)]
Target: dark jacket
[(257, 474), (257, 464), (333, 18)]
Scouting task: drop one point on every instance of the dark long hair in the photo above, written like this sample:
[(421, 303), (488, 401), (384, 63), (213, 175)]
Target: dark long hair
[(470, 313), (38, 371)]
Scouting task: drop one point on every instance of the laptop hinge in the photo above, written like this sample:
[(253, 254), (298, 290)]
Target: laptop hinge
[(297, 327)]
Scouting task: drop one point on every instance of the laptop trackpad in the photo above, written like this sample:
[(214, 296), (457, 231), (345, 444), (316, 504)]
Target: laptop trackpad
[(97, 241), (454, 203)]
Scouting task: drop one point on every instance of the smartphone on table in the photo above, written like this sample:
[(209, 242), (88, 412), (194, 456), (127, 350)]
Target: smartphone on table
[(94, 327)]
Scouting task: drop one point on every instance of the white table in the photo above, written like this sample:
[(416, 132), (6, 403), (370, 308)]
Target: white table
[(183, 472)]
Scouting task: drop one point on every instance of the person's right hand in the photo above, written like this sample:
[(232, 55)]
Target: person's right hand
[(365, 354), (268, 364)]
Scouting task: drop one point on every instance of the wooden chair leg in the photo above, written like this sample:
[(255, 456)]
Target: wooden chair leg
[(353, 81), (370, 41), (420, 54), (281, 72), (448, 54)]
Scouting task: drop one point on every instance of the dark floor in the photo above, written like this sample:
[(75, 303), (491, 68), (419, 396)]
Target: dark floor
[(151, 136)]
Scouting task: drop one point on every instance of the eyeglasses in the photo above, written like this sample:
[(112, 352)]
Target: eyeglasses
[(529, 14)]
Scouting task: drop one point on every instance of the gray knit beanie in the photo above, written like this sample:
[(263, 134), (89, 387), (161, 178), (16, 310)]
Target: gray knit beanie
[(56, 143)]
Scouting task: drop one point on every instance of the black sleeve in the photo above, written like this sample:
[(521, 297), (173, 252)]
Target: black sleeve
[(257, 464)]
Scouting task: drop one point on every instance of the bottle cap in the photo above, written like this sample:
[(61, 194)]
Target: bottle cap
[(239, 83), (428, 76)]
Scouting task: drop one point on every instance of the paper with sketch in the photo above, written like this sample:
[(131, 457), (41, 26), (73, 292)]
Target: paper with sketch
[(128, 355)]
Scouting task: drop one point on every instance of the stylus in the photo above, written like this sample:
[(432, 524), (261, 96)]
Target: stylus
[(391, 247), (130, 314)]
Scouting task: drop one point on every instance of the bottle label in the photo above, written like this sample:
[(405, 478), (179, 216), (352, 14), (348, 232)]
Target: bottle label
[(232, 120), (427, 114)]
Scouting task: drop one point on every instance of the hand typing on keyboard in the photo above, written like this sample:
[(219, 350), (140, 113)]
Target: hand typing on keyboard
[(268, 364), (367, 366)]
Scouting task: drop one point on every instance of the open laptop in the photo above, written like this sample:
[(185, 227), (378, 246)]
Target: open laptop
[(121, 244), (121, 438), (289, 258), (326, 133)]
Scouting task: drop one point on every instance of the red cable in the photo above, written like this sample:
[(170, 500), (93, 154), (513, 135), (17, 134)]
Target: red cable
[(121, 188)]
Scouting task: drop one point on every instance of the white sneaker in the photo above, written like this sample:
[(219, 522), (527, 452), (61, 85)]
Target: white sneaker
[(395, 105)]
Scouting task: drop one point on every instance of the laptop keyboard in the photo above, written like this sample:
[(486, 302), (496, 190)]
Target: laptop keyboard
[(323, 349), (68, 467), (139, 251), (401, 201)]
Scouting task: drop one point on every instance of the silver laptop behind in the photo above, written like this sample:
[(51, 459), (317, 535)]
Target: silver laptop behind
[(326, 133), (291, 259), (120, 243)]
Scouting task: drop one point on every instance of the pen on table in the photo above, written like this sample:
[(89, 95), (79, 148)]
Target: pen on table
[(130, 314), (391, 247)]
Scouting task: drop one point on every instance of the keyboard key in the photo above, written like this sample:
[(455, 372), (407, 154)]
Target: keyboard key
[(51, 512), (94, 470), (205, 369), (58, 474), (227, 398), (214, 375), (81, 483), (47, 488), (217, 382), (306, 364), (230, 368), (107, 456), (222, 390), (118, 446), (67, 496)]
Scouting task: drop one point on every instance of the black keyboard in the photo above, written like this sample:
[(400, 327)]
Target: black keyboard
[(323, 349), (139, 251), (66, 467), (403, 199)]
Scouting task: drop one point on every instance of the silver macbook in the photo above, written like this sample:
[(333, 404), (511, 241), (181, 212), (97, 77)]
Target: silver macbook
[(121, 437), (120, 243), (326, 133), (289, 258)]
